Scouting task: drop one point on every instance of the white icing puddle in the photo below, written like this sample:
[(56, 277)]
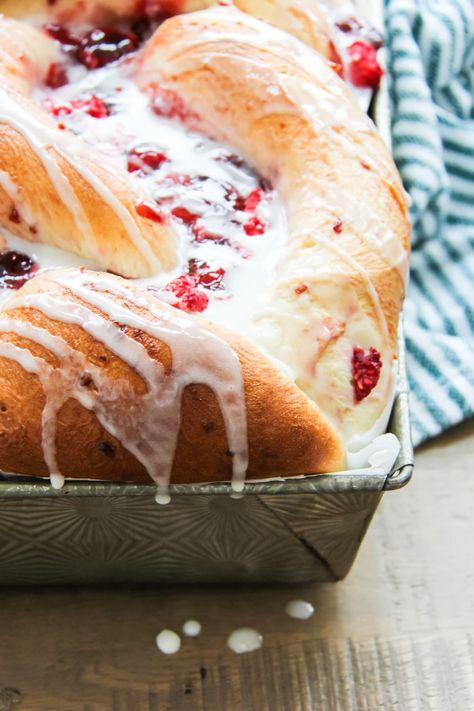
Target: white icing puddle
[(299, 609), (244, 639), (192, 628), (168, 642), (230, 225)]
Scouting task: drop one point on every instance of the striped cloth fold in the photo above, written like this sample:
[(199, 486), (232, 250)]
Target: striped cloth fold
[(431, 70)]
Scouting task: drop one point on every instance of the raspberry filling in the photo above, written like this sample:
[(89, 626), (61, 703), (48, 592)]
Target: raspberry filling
[(15, 269), (207, 277), (149, 212), (253, 200), (189, 288), (224, 216), (358, 43), (254, 226), (97, 47), (364, 67), (56, 75), (145, 159), (14, 216), (338, 226), (92, 105), (189, 297), (366, 369)]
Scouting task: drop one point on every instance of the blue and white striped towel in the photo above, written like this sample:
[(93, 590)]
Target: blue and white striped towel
[(431, 69)]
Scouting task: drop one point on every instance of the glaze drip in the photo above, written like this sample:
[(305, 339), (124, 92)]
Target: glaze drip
[(146, 425)]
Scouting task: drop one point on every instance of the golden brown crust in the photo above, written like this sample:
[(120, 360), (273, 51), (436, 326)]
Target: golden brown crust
[(287, 434), (298, 125)]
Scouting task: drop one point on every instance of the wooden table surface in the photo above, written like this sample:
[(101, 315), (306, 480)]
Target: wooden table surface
[(398, 633)]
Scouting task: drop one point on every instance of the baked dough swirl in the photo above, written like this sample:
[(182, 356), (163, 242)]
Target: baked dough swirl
[(334, 300)]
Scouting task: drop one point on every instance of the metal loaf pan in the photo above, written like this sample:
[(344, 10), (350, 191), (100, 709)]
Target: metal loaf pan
[(306, 529)]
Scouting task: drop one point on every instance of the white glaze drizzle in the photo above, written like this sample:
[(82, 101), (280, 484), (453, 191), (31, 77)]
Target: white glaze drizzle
[(50, 384), (162, 495), (148, 426), (60, 384), (209, 360), (57, 481)]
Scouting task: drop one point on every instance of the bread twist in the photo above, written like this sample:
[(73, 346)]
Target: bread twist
[(100, 379)]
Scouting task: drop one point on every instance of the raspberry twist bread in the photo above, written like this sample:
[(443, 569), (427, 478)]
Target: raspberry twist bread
[(103, 380)]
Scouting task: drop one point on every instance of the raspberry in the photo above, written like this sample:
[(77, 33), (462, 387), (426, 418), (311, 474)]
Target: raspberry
[(58, 109), (185, 215), (182, 285), (103, 46), (143, 158), (14, 216), (366, 369), (212, 279), (201, 234), (190, 298), (207, 277), (253, 200), (149, 212), (63, 35), (56, 75), (364, 67), (193, 301), (97, 47), (254, 226), (15, 269), (93, 106)]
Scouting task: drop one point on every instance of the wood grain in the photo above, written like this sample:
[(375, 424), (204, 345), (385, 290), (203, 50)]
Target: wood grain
[(397, 634)]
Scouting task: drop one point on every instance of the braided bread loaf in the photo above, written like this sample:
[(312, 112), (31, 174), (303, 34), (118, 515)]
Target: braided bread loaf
[(102, 379)]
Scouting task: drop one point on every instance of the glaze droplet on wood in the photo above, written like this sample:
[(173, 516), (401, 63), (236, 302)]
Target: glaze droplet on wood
[(244, 639), (168, 642), (192, 628), (299, 609)]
